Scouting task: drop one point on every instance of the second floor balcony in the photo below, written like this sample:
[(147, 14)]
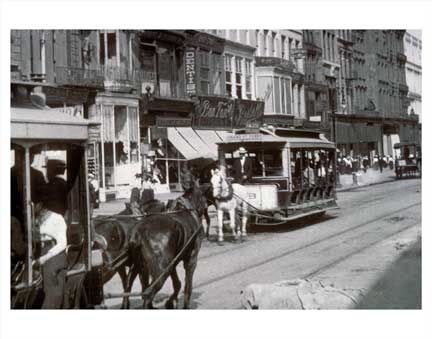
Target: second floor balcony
[(123, 79), (112, 78), (80, 77)]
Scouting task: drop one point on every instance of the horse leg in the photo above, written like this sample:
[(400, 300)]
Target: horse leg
[(207, 219), (244, 224), (232, 216), (189, 266), (127, 286), (172, 301), (220, 225), (124, 280)]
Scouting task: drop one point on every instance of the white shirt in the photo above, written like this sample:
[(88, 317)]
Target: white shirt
[(242, 162), (52, 226)]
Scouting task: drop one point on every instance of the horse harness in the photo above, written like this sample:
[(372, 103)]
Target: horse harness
[(230, 192)]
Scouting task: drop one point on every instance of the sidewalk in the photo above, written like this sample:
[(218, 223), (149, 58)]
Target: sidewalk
[(372, 177), (116, 206)]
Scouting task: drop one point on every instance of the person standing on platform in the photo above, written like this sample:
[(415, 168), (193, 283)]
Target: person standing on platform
[(242, 167)]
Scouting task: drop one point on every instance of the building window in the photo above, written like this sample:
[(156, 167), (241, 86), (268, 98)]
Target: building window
[(283, 43), (248, 79), (111, 48), (204, 72), (216, 70), (228, 71), (238, 77)]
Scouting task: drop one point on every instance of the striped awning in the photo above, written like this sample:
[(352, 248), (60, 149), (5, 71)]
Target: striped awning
[(195, 144)]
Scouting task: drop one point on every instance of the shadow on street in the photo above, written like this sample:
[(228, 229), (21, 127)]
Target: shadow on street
[(400, 286)]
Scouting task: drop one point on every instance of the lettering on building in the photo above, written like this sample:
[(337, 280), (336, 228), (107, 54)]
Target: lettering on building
[(213, 112), (248, 113), (190, 66)]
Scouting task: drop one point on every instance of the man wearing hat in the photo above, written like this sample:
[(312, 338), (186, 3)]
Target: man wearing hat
[(242, 167)]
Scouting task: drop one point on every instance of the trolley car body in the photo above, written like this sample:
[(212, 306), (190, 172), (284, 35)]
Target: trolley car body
[(408, 160), (37, 134), (281, 189)]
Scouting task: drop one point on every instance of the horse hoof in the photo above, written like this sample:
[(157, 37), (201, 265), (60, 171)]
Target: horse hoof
[(171, 305)]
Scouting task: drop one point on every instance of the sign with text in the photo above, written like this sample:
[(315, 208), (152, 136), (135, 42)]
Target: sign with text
[(173, 122), (213, 112), (248, 113), (190, 71), (252, 137)]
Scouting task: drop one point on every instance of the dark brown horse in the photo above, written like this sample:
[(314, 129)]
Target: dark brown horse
[(160, 241), (114, 232)]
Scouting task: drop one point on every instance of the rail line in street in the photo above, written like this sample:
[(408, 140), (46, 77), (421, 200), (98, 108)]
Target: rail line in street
[(346, 256), (241, 246), (310, 245)]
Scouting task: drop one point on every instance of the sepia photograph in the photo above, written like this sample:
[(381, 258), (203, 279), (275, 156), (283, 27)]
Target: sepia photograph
[(216, 169)]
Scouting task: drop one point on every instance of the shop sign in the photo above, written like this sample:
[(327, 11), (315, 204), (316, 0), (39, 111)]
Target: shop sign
[(75, 111), (190, 71), (283, 120), (248, 113), (173, 122), (213, 112), (94, 133), (257, 137)]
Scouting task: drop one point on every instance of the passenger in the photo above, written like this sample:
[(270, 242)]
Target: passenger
[(308, 174), (38, 184), (57, 187), (242, 167), (52, 230), (321, 173)]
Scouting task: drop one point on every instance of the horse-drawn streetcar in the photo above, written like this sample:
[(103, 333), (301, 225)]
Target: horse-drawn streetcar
[(291, 175), (408, 159), (49, 191)]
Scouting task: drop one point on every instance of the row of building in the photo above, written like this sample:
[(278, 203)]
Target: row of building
[(174, 93)]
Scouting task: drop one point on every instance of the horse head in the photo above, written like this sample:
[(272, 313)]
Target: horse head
[(188, 181), (221, 188), (110, 234)]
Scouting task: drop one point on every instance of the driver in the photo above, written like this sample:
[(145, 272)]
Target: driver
[(52, 261), (242, 167)]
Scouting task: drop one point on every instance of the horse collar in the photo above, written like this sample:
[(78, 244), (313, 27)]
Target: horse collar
[(229, 196)]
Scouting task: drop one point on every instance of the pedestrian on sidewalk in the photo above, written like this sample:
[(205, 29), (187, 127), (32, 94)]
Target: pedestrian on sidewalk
[(380, 163)]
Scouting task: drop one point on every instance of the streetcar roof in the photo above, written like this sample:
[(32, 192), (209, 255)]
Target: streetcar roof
[(46, 124), (403, 144), (282, 137)]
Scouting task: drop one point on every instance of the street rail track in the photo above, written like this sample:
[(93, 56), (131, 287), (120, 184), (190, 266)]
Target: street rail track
[(309, 245), (387, 193)]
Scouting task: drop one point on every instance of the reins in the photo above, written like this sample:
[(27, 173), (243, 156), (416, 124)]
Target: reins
[(164, 274)]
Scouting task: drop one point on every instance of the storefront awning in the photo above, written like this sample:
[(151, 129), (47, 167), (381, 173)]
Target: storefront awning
[(194, 144), (32, 123)]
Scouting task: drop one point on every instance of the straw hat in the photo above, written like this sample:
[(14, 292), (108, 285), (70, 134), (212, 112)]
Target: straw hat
[(242, 150)]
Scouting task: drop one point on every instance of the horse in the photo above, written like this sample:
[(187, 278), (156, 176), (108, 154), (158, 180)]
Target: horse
[(113, 234), (160, 241), (229, 198)]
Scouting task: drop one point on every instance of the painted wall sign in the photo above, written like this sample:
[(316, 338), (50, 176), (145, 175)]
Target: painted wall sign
[(213, 112), (190, 71), (248, 113)]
